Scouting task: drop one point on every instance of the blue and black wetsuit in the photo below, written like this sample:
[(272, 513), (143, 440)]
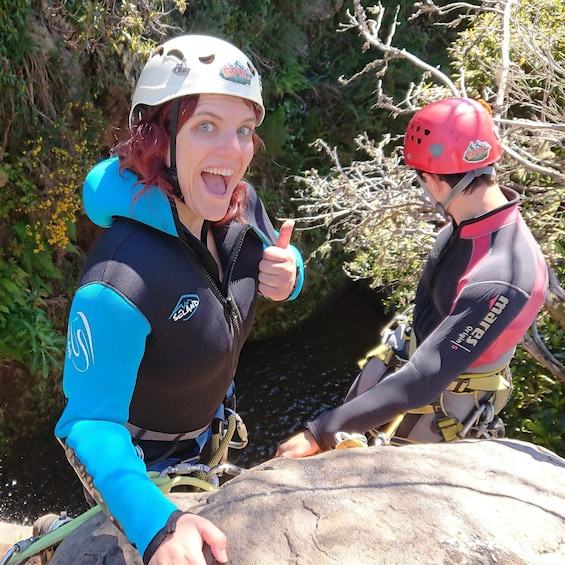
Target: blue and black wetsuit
[(481, 289), (154, 339)]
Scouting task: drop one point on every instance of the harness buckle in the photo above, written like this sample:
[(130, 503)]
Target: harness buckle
[(460, 386)]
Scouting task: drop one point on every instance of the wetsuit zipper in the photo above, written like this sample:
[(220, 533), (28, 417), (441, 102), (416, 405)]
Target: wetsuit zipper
[(230, 309), (228, 276)]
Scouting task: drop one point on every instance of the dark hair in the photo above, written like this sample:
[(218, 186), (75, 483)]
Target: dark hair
[(145, 151)]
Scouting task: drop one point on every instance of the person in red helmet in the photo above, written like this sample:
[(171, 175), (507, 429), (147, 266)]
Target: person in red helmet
[(447, 378)]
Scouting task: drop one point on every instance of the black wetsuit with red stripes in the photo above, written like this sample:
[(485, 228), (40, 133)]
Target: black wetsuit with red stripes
[(481, 288)]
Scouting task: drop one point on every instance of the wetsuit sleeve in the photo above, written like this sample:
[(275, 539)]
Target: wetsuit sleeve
[(257, 216), (108, 193), (486, 310), (105, 345)]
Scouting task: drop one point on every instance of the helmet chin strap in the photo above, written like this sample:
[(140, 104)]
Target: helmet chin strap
[(464, 183), (441, 207), (172, 170)]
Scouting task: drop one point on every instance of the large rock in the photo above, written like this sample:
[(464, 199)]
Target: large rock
[(471, 502)]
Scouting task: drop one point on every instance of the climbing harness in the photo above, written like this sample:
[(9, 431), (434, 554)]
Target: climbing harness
[(196, 476), (467, 408), (482, 421)]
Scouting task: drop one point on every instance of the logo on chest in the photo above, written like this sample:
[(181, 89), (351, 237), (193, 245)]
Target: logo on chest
[(185, 308)]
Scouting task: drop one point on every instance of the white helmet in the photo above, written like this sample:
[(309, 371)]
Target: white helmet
[(196, 64)]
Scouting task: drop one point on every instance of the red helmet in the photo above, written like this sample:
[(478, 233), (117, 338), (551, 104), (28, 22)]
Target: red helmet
[(455, 135)]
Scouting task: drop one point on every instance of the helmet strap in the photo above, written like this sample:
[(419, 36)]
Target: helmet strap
[(172, 170), (425, 189), (464, 183), (204, 231)]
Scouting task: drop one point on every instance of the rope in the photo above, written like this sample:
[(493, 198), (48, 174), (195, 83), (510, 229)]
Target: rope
[(218, 447), (33, 546), (19, 553)]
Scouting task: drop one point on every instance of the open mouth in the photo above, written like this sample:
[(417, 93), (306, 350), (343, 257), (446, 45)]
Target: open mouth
[(217, 180)]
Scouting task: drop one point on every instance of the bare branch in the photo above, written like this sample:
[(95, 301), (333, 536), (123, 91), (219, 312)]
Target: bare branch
[(534, 345), (370, 30)]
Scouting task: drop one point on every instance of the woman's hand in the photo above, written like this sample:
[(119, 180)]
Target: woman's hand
[(184, 546), (300, 445), (277, 269)]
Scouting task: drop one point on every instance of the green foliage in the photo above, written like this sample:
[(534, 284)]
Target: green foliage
[(14, 49), (67, 69), (52, 136), (536, 412)]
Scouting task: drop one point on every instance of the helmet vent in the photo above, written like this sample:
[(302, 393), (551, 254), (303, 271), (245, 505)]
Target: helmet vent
[(176, 53), (157, 51), (208, 60)]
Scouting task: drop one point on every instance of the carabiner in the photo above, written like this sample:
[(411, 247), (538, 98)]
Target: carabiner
[(18, 548), (219, 470)]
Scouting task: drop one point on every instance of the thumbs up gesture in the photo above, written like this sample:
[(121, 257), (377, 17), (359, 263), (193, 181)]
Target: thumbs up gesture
[(277, 269)]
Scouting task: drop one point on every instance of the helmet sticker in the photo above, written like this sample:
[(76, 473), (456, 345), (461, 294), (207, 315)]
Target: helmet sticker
[(436, 149), (477, 151), (237, 73)]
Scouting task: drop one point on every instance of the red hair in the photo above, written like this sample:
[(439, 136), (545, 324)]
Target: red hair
[(145, 152)]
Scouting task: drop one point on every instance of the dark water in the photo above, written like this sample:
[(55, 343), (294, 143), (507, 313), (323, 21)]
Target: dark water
[(281, 384)]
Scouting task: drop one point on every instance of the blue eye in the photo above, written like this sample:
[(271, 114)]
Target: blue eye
[(245, 130), (206, 126)]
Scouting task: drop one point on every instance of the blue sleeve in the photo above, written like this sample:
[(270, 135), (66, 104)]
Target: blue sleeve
[(105, 345), (107, 193), (299, 273)]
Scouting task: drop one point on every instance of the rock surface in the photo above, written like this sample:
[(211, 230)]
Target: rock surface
[(472, 502)]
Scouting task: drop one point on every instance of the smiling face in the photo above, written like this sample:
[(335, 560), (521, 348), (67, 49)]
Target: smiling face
[(214, 149)]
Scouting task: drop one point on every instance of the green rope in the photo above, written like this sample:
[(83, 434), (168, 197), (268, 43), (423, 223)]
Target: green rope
[(52, 538), (219, 448), (164, 484)]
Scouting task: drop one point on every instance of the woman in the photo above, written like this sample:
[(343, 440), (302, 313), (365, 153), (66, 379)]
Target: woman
[(168, 294)]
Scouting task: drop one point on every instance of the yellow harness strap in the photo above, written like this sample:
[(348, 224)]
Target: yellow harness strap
[(382, 352), (470, 383)]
